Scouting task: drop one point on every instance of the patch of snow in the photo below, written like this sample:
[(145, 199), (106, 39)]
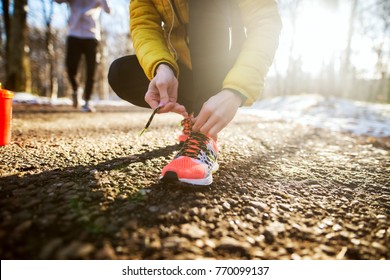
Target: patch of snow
[(25, 97), (335, 114)]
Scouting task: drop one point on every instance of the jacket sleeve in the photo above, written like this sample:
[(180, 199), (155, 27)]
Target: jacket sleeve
[(148, 37), (263, 25)]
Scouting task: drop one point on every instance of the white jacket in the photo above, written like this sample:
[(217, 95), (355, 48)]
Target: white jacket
[(84, 19)]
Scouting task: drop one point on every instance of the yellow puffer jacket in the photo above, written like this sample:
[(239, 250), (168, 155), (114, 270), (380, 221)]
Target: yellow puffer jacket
[(260, 17)]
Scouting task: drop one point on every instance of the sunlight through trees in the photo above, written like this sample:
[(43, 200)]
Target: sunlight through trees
[(334, 48)]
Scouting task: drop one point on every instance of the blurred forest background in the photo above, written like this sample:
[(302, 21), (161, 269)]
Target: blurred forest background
[(331, 47)]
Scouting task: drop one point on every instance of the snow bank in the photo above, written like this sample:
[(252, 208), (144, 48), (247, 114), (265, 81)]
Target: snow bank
[(331, 113), (24, 97)]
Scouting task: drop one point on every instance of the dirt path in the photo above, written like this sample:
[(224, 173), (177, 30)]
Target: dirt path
[(84, 186)]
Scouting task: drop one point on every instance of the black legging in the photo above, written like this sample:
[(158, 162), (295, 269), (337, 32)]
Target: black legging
[(209, 38), (76, 47)]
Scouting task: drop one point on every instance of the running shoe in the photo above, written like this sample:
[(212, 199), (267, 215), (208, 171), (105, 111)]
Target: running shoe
[(186, 123), (195, 163), (88, 108)]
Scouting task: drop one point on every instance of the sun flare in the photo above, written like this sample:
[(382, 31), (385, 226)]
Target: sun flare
[(315, 38)]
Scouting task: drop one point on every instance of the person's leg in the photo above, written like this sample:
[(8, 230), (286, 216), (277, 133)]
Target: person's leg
[(128, 80), (213, 52), (72, 60), (89, 50)]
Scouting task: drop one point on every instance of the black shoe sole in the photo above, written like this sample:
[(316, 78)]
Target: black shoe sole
[(170, 178)]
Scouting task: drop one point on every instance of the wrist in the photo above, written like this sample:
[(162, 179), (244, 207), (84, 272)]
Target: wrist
[(239, 95), (165, 67)]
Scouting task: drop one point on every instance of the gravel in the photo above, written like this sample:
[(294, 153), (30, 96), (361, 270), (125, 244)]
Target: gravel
[(85, 186)]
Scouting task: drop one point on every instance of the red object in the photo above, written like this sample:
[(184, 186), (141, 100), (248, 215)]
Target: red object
[(5, 116)]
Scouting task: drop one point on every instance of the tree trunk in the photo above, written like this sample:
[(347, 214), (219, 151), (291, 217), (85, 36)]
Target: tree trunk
[(7, 23), (17, 62), (51, 86), (346, 66), (7, 30), (102, 85), (50, 83)]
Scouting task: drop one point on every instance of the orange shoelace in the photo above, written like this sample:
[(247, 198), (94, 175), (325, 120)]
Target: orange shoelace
[(186, 123), (194, 144)]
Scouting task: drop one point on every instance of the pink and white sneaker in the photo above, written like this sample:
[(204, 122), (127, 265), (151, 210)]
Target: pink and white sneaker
[(195, 163)]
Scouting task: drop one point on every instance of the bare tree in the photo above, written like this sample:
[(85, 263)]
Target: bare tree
[(375, 23), (17, 64), (101, 73), (351, 31), (51, 84), (7, 24), (347, 72), (382, 49)]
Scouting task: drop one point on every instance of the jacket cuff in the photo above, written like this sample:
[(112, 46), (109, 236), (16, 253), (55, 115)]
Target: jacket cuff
[(243, 97), (175, 72)]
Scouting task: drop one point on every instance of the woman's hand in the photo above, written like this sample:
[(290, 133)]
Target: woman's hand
[(162, 91), (216, 113)]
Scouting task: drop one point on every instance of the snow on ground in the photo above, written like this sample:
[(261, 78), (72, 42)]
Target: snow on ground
[(331, 113), (335, 114), (28, 98)]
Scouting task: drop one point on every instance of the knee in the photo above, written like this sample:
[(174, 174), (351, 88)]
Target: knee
[(113, 77), (128, 80), (112, 74), (119, 78), (125, 74)]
